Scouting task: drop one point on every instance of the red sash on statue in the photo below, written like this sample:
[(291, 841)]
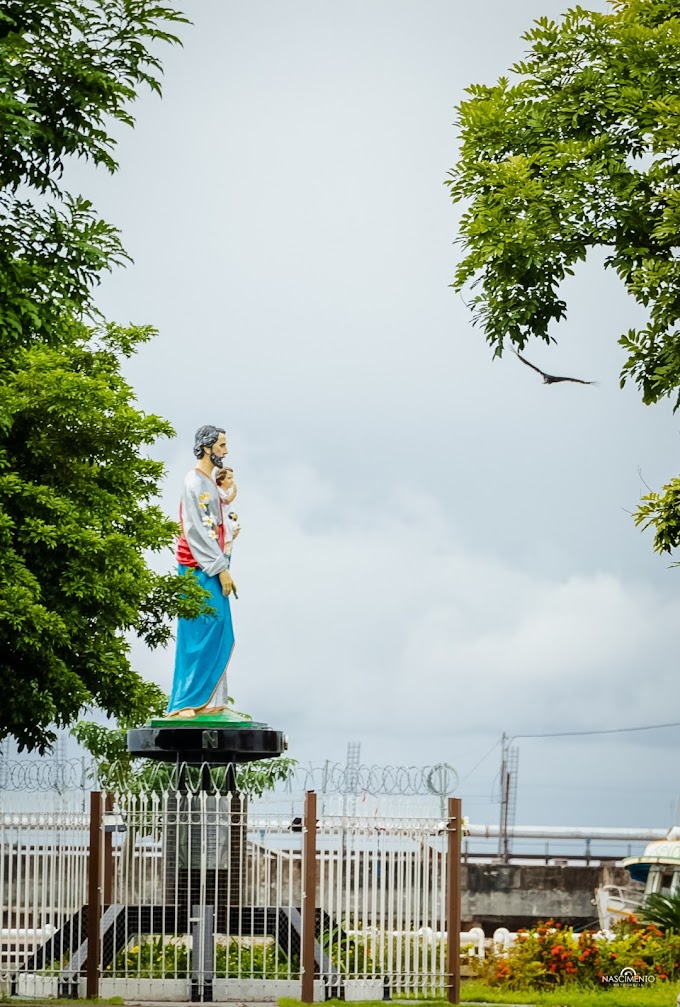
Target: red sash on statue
[(183, 553)]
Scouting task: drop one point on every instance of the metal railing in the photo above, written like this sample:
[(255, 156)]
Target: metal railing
[(169, 894)]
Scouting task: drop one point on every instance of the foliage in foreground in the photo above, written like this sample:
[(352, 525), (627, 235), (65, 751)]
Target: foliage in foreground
[(551, 955), (78, 512), (662, 910), (154, 958), (577, 150), (78, 518)]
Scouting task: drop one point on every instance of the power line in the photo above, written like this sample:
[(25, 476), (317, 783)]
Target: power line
[(610, 730), (495, 745), (568, 734)]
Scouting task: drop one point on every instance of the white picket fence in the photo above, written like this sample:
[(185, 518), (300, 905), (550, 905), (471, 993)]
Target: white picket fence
[(202, 893)]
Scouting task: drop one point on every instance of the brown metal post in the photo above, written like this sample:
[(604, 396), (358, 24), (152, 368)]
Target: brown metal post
[(108, 855), (454, 832), (309, 897), (94, 893)]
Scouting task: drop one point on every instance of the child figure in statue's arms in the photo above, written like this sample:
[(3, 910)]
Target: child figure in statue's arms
[(227, 489)]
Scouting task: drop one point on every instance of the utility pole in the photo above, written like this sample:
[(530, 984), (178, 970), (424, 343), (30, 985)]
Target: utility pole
[(508, 792)]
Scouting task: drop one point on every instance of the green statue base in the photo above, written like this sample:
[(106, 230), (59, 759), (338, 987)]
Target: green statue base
[(224, 718)]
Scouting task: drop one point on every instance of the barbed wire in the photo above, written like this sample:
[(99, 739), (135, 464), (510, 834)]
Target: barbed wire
[(440, 780), (47, 774)]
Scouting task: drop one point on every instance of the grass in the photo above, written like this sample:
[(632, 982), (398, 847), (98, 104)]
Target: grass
[(662, 994)]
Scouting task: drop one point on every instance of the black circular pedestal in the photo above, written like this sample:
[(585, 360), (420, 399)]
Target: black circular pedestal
[(194, 745)]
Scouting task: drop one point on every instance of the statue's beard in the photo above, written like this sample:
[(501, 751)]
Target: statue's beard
[(219, 462)]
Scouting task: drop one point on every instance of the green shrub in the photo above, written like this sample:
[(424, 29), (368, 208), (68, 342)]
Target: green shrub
[(256, 961), (157, 958), (662, 910), (552, 955), (153, 958)]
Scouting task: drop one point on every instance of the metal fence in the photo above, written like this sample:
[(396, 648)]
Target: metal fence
[(200, 894)]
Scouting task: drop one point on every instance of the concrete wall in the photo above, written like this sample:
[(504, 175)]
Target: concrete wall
[(514, 895)]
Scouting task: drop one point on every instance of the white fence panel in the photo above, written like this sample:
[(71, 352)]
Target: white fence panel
[(381, 899), (202, 892), (43, 878)]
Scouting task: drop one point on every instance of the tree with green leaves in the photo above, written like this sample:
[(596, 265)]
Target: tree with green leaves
[(78, 511), (581, 149), (69, 70)]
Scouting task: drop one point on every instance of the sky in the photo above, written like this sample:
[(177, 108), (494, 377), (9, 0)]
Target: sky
[(436, 547)]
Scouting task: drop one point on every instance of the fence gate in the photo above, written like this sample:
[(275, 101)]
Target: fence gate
[(199, 896)]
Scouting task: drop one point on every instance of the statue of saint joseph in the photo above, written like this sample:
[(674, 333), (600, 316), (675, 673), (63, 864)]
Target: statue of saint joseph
[(204, 645)]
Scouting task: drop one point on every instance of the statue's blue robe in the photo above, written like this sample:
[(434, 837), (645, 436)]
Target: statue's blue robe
[(203, 649)]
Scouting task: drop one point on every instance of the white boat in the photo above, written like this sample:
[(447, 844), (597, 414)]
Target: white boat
[(658, 869)]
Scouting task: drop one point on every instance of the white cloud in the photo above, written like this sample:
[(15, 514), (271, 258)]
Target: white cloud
[(381, 626)]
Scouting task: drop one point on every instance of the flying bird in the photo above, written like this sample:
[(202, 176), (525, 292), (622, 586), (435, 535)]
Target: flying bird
[(551, 379)]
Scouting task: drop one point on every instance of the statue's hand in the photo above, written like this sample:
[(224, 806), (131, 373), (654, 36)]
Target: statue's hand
[(227, 583)]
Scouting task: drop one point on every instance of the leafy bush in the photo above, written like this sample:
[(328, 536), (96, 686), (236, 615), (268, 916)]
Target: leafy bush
[(552, 955), (663, 910), (153, 958), (157, 958), (256, 961), (160, 958)]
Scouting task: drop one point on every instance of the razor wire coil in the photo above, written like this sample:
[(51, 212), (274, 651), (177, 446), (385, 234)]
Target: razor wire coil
[(440, 780)]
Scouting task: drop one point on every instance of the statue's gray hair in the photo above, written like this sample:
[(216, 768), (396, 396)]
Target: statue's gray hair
[(205, 438)]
